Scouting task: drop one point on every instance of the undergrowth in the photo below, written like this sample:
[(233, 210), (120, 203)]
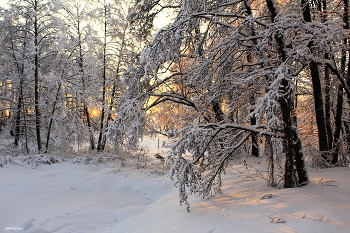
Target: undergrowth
[(133, 159)]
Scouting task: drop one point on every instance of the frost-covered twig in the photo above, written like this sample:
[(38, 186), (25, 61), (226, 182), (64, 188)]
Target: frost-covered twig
[(327, 182), (269, 196), (277, 217)]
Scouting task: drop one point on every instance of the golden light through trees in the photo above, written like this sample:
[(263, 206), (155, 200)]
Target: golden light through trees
[(95, 112)]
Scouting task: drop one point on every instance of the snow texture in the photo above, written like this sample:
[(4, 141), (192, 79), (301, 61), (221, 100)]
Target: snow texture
[(66, 198)]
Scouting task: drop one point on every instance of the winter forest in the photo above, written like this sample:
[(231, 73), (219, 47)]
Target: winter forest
[(226, 83)]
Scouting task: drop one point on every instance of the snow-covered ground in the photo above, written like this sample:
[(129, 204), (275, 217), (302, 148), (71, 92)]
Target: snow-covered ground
[(68, 197)]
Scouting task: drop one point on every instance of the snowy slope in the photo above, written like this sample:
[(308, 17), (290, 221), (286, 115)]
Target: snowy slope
[(68, 198)]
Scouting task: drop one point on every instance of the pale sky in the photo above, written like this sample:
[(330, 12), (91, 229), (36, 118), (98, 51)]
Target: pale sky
[(3, 3), (162, 19)]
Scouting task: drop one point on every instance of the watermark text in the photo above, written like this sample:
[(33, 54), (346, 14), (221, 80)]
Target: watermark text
[(13, 229)]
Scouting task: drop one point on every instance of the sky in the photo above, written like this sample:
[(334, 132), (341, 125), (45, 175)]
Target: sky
[(3, 3)]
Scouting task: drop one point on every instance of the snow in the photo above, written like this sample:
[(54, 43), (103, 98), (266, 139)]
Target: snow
[(68, 197)]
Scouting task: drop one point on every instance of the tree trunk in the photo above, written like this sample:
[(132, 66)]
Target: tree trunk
[(328, 105), (36, 81), (100, 143), (219, 115), (317, 90), (51, 119), (91, 134), (268, 152), (18, 113), (327, 75), (254, 136), (109, 114), (340, 100), (293, 146), (86, 110), (338, 121), (255, 142), (25, 112), (20, 70)]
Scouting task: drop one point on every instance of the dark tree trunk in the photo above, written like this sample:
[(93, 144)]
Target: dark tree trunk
[(255, 142), (340, 95), (347, 131), (25, 112), (36, 104), (317, 90), (36, 80), (328, 105), (268, 152), (317, 93), (327, 75), (338, 121), (20, 69), (293, 146), (51, 120), (254, 136), (18, 113), (219, 115), (100, 143), (86, 110)]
